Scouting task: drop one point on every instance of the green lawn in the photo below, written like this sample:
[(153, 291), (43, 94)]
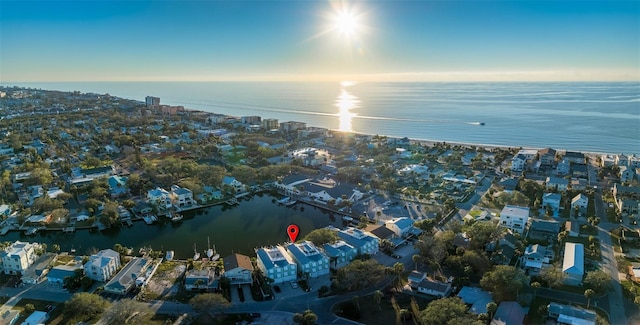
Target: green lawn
[(40, 305)]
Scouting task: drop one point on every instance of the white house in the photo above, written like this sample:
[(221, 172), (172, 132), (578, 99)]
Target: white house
[(573, 263), (18, 257), (102, 265), (181, 196), (400, 226), (309, 258), (580, 202), (551, 200), (434, 288), (238, 269), (518, 162), (200, 279), (277, 264), (534, 258), (340, 253), (160, 198), (132, 274), (232, 183), (413, 169), (557, 183), (566, 314), (364, 242), (514, 218)]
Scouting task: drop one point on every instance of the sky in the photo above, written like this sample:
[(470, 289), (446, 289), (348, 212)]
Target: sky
[(307, 40)]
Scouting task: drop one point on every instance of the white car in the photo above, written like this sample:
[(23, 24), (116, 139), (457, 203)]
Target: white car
[(294, 285)]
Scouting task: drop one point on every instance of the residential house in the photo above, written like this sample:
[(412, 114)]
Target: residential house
[(160, 198), (117, 185), (36, 271), (5, 210), (340, 253), (573, 227), (503, 249), (627, 198), (626, 174), (309, 258), (509, 184), (201, 279), (573, 263), (415, 278), (209, 193), (569, 315), (36, 317), (18, 256), (622, 160), (547, 156), (543, 229), (363, 241), (579, 171), (238, 269), (579, 184), (476, 298), (102, 265), (400, 226), (607, 160), (135, 273), (232, 183), (575, 157), (551, 201), (57, 274), (563, 168), (276, 264), (514, 218), (579, 203), (535, 257), (434, 288), (556, 183), (509, 313), (181, 196), (518, 163), (326, 190)]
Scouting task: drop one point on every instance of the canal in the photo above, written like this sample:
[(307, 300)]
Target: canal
[(254, 222)]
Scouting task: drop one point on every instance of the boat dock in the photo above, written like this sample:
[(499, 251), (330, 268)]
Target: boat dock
[(68, 229)]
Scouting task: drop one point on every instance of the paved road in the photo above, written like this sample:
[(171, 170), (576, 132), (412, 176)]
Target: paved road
[(617, 313)]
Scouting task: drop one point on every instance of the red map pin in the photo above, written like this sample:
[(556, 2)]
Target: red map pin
[(293, 232)]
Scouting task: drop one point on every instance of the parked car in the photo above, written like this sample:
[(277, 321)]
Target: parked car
[(294, 285)]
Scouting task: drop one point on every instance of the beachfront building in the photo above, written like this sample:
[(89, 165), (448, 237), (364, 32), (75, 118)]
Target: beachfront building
[(547, 156), (292, 126), (309, 258), (238, 269), (340, 254), (573, 263), (364, 242), (270, 124), (518, 163), (18, 256), (514, 218), (574, 157), (160, 198), (102, 265), (277, 264)]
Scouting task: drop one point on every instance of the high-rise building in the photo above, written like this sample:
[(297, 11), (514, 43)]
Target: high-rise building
[(151, 101)]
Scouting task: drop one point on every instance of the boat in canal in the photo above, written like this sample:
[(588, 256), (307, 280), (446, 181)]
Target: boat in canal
[(196, 255), (211, 253), (149, 219), (169, 255), (176, 218)]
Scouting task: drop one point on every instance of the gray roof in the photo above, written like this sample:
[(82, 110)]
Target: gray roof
[(433, 285), (305, 252), (573, 258), (536, 250), (274, 257), (355, 237), (476, 297), (515, 211), (237, 260), (337, 248), (546, 226), (575, 312), (557, 181), (509, 313), (125, 279)]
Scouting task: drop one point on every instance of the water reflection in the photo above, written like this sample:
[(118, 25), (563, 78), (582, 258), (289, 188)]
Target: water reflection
[(345, 103)]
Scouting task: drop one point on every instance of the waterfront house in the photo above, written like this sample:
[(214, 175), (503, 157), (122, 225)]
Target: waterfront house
[(547, 156), (434, 288), (556, 183), (209, 193), (364, 242), (340, 254), (18, 256), (238, 269), (607, 160), (132, 274), (626, 174), (58, 273), (567, 314), (232, 184), (579, 171), (201, 280), (160, 198), (514, 218), (277, 264), (534, 258), (36, 271), (573, 263), (309, 258), (102, 265), (401, 227), (622, 160), (381, 231), (574, 157), (509, 313), (551, 201), (326, 190), (579, 203), (181, 196)]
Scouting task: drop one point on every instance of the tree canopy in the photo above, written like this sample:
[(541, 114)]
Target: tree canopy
[(504, 281), (446, 311), (322, 236), (123, 311), (360, 274), (598, 280), (209, 303), (85, 306), (308, 317)]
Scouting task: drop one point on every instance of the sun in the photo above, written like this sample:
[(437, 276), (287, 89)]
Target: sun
[(346, 23)]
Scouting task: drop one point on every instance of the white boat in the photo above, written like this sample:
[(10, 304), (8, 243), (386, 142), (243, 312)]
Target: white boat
[(169, 256), (176, 218), (291, 202), (196, 255), (31, 231), (347, 218), (215, 256), (209, 251), (284, 200)]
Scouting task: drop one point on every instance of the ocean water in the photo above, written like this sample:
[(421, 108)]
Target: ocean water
[(594, 117)]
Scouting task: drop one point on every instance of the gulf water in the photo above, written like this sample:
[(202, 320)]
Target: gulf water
[(592, 117)]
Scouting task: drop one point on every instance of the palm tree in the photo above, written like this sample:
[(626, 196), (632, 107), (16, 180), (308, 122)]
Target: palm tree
[(535, 286), (589, 294), (377, 297), (398, 269), (416, 259)]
